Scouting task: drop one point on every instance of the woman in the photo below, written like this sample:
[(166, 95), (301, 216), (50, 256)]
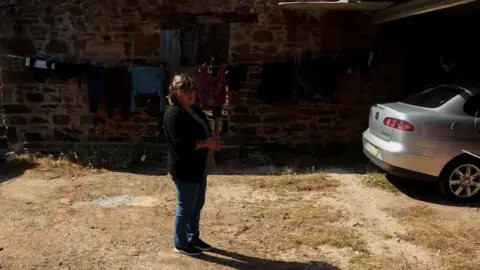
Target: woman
[(189, 141)]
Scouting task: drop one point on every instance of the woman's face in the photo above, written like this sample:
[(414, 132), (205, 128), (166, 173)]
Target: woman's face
[(186, 98)]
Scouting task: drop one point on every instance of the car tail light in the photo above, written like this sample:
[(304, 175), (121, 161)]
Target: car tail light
[(398, 124)]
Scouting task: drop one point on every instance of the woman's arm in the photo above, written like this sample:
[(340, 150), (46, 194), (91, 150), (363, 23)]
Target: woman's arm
[(184, 141)]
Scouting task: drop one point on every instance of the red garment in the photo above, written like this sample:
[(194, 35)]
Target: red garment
[(212, 88)]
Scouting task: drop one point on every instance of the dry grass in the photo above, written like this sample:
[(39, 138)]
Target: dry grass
[(287, 224), (374, 262), (62, 165), (378, 180), (293, 181), (304, 213), (304, 224), (456, 242), (336, 236)]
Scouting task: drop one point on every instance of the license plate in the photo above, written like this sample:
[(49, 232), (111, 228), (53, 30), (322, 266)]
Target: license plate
[(372, 150)]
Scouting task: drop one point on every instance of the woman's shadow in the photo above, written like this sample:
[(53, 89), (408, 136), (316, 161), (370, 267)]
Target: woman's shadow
[(238, 261)]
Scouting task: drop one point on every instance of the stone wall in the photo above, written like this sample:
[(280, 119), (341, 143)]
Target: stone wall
[(128, 31), (326, 122), (339, 119), (109, 32)]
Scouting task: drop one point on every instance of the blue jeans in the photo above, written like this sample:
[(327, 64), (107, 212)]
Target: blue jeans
[(190, 201)]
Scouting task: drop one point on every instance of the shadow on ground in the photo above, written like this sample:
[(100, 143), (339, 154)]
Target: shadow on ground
[(426, 192), (244, 161), (9, 171), (241, 262)]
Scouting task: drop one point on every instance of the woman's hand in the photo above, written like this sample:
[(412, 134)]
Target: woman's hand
[(214, 143)]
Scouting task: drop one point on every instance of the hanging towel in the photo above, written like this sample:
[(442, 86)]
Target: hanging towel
[(96, 86), (117, 90), (65, 71), (40, 70), (148, 80)]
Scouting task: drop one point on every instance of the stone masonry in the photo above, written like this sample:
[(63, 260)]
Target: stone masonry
[(340, 119), (128, 31)]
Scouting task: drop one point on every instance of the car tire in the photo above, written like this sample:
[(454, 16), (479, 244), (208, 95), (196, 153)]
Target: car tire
[(449, 180)]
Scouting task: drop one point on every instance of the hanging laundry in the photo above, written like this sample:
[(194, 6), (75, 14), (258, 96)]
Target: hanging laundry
[(170, 47), (212, 88), (317, 78), (148, 80), (364, 62), (235, 75), (277, 80), (96, 86), (40, 70), (117, 90), (65, 71)]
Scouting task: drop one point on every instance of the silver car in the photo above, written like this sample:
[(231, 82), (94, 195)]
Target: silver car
[(426, 137)]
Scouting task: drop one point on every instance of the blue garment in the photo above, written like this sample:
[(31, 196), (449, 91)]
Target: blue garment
[(190, 201), (148, 80)]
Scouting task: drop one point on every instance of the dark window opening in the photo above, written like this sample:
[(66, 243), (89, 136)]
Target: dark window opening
[(197, 44), (472, 106)]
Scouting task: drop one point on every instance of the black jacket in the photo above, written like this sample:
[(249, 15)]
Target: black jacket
[(182, 132)]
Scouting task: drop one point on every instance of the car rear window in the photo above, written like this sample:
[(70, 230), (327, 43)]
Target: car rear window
[(433, 98)]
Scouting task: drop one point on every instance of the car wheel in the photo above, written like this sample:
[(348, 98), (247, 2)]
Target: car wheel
[(461, 180)]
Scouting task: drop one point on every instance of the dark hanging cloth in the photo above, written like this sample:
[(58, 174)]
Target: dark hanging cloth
[(65, 71), (277, 80), (236, 74), (117, 90), (96, 86), (317, 78), (364, 63), (40, 74)]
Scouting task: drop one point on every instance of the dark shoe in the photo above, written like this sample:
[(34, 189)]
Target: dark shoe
[(202, 245), (190, 251)]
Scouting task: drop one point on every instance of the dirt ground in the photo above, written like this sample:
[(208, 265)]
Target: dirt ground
[(64, 216)]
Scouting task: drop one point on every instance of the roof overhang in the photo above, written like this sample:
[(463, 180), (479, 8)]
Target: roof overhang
[(336, 5), (414, 7), (382, 11)]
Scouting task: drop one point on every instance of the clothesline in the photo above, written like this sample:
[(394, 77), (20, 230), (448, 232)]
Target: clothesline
[(13, 56), (234, 63), (114, 65), (339, 55), (92, 64)]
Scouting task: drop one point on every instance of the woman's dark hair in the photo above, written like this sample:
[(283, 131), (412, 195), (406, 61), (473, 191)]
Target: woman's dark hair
[(180, 82)]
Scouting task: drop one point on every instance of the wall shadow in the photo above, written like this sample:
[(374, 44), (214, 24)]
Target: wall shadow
[(264, 160), (276, 160), (9, 171), (426, 192), (243, 262)]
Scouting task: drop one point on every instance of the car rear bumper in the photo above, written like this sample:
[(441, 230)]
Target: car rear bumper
[(420, 160), (400, 172)]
